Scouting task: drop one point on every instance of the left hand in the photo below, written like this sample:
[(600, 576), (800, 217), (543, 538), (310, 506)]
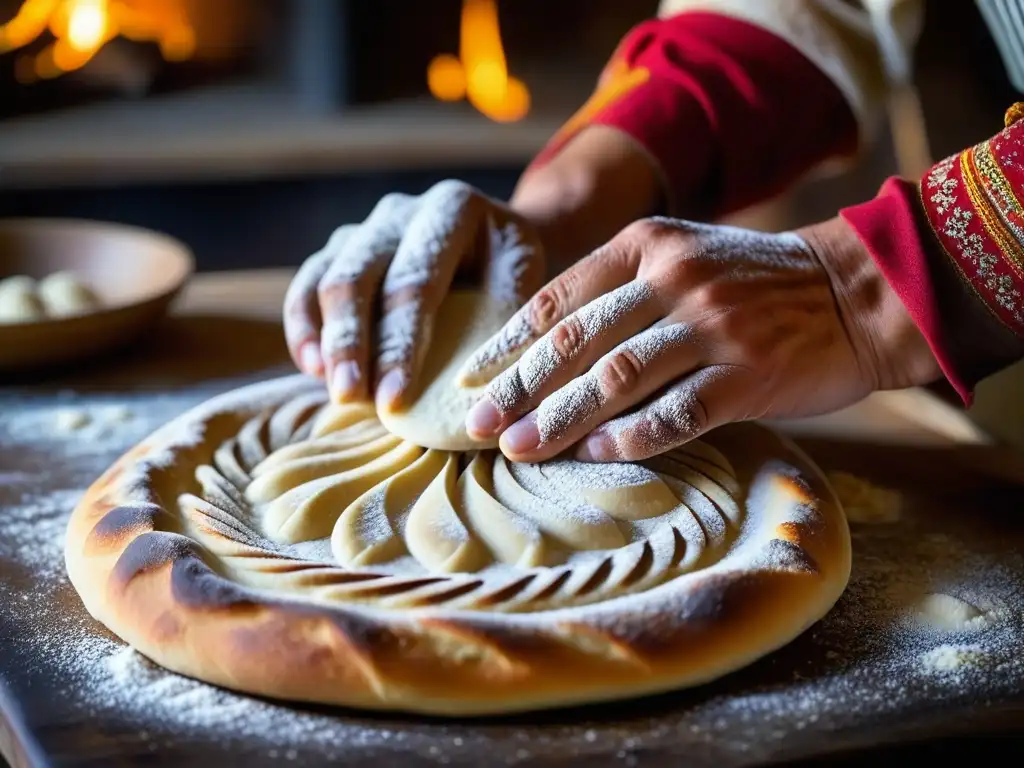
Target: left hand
[(674, 328)]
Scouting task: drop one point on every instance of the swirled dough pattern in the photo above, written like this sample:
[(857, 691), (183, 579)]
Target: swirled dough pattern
[(276, 544)]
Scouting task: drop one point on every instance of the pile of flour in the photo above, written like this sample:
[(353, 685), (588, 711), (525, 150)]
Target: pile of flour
[(928, 620)]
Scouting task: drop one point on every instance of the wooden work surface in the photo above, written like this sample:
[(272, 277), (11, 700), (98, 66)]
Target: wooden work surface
[(858, 679)]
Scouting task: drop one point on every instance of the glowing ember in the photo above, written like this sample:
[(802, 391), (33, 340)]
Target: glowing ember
[(83, 27), (480, 73)]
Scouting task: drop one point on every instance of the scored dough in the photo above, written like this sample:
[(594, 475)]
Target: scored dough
[(273, 543), (436, 417)]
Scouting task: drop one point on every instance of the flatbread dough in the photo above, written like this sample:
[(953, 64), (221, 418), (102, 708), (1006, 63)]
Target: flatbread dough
[(436, 417), (272, 543), (61, 294)]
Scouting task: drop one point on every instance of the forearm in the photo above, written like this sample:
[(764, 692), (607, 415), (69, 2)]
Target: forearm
[(581, 199), (696, 116)]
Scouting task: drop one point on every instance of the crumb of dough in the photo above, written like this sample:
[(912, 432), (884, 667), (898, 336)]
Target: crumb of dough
[(865, 502), (72, 419), (951, 660)]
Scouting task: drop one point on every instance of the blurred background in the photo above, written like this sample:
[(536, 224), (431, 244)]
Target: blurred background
[(252, 128)]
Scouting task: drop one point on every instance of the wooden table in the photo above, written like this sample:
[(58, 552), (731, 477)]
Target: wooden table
[(852, 682)]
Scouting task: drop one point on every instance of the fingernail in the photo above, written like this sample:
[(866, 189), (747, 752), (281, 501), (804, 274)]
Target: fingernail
[(309, 355), (346, 378), (483, 419), (595, 447), (521, 436), (390, 387)]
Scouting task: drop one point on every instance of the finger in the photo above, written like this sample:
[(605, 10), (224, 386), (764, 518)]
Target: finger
[(439, 235), (564, 352), (515, 263), (632, 371), (708, 398), (602, 271), (347, 292), (302, 319)]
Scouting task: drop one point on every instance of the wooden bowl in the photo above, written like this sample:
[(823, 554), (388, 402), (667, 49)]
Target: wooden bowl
[(135, 272)]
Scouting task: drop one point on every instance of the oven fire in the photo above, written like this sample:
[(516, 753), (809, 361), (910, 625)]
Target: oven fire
[(479, 73), (80, 28)]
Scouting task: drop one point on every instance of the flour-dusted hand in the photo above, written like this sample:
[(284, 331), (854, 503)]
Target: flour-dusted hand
[(360, 310), (674, 328)]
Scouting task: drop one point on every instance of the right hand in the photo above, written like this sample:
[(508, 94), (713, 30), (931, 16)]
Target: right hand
[(394, 269)]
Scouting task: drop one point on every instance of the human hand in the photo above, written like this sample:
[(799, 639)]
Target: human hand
[(674, 328), (397, 266)]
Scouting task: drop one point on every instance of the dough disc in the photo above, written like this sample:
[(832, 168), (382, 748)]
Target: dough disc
[(275, 544), (436, 417)]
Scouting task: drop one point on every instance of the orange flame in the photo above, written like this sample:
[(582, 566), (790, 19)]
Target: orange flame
[(480, 73), (82, 27)]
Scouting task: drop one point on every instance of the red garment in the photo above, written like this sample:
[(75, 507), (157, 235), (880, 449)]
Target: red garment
[(731, 113), (952, 250)]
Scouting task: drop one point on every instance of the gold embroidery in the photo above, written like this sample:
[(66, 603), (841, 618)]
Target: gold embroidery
[(960, 273), (990, 219), (1013, 114), (998, 188), (970, 244), (939, 177)]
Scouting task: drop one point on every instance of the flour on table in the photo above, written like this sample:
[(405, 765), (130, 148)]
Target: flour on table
[(864, 502), (868, 662)]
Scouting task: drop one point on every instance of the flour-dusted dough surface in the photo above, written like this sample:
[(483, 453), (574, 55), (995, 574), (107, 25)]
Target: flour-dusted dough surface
[(61, 294), (436, 417), (272, 543)]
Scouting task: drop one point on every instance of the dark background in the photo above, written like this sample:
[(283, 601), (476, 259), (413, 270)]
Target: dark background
[(361, 56)]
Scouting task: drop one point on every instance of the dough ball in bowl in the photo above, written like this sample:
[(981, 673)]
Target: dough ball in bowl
[(63, 293), (19, 302)]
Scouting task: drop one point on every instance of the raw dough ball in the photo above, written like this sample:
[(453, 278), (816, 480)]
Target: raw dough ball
[(948, 613), (437, 417), (19, 302), (64, 294)]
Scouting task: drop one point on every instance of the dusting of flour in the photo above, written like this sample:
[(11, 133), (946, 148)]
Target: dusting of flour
[(868, 664)]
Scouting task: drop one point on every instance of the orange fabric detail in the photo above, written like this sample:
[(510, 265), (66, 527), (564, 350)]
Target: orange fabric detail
[(617, 79)]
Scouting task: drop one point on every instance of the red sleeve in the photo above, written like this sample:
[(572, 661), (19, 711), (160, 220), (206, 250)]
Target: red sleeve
[(731, 113), (952, 247)]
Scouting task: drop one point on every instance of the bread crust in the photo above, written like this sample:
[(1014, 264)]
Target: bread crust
[(215, 608)]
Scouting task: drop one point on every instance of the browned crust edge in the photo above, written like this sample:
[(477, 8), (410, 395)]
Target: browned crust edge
[(160, 591)]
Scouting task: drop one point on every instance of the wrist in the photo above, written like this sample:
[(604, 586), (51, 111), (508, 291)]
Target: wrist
[(598, 184), (891, 350)]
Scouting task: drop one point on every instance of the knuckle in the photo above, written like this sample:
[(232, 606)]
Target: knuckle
[(452, 189), (341, 333), (620, 374), (545, 309), (392, 206), (336, 290), (644, 229), (392, 200), (568, 337)]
